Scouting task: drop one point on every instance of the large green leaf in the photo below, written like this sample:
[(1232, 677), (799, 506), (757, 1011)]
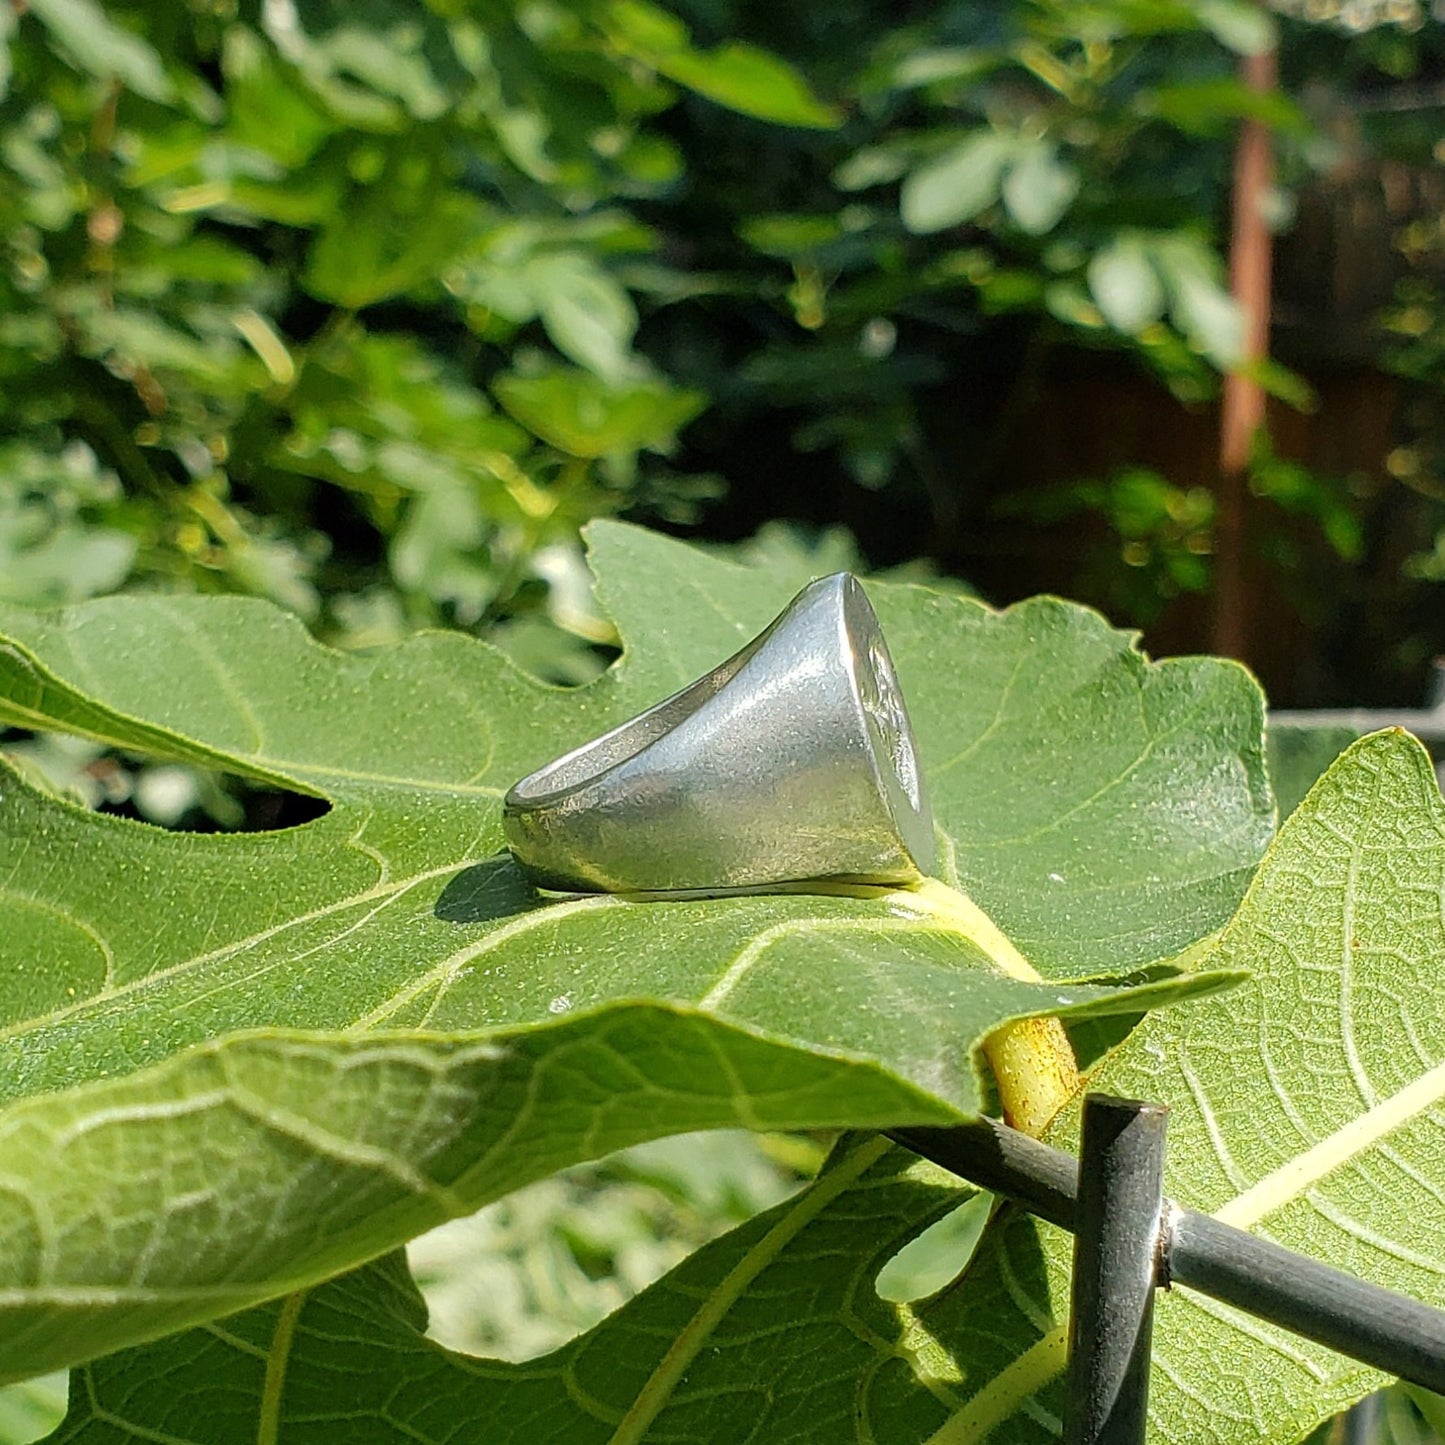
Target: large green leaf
[(1106, 811), (774, 1333), (262, 1162), (1304, 1105)]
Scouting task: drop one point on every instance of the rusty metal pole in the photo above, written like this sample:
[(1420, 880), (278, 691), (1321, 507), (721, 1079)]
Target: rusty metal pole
[(1242, 413)]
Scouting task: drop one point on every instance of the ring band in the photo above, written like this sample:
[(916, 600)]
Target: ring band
[(793, 760)]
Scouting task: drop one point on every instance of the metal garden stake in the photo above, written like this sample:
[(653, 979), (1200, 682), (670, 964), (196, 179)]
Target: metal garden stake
[(1116, 1261)]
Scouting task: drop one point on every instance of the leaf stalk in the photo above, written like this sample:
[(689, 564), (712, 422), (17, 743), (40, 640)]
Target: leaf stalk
[(1032, 1059)]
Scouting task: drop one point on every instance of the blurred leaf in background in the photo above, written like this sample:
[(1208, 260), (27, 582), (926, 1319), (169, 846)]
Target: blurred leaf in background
[(1160, 536), (366, 308), (270, 270), (1007, 269), (525, 1275)]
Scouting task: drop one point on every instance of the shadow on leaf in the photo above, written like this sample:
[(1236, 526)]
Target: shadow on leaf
[(495, 889)]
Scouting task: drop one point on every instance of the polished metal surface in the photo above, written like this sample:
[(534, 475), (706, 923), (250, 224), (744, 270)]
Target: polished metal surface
[(794, 760)]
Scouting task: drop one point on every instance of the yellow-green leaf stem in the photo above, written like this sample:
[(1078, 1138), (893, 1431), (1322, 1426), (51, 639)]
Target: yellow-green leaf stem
[(1035, 1070), (1032, 1060)]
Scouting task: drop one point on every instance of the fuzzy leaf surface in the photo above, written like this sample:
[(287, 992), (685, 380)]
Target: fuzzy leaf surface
[(1305, 1105), (256, 1023)]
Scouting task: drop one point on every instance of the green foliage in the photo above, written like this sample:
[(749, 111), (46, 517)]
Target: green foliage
[(1333, 924), (1275, 1122), (347, 1032), (355, 1029), (525, 1275), (257, 256), (739, 76), (1017, 185), (1416, 324), (1163, 535), (1159, 537), (1025, 162), (366, 309), (55, 542), (271, 269)]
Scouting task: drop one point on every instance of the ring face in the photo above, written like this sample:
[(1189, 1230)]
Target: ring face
[(793, 760)]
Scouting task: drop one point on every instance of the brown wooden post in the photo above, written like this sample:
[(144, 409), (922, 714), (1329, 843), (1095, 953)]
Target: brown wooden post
[(1242, 413)]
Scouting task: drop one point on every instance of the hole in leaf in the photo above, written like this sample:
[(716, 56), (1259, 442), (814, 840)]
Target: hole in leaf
[(550, 653), (176, 796), (526, 1274), (931, 1261)]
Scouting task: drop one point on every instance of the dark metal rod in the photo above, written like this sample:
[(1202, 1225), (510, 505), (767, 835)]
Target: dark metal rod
[(993, 1156), (1116, 1261), (1388, 1330), (1428, 726)]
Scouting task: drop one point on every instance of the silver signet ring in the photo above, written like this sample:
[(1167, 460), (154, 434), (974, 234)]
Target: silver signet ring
[(793, 760)]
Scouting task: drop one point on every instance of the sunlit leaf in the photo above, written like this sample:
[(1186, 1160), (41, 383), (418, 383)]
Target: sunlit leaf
[(957, 184), (1125, 285), (1242, 25), (103, 47), (735, 74), (783, 1317), (586, 417), (348, 1031), (1305, 1106), (589, 317), (1038, 188)]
